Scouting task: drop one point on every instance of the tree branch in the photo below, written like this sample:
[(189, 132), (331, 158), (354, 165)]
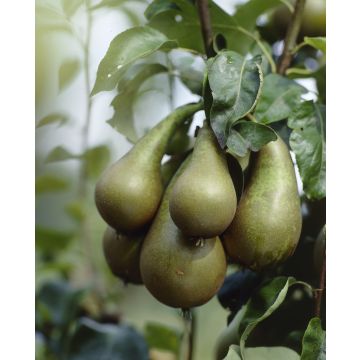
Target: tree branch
[(291, 36), (319, 292), (205, 22)]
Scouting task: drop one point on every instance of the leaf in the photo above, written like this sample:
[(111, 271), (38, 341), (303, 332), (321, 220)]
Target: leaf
[(68, 71), (96, 160), (307, 140), (123, 118), (271, 353), (51, 240), (279, 97), (60, 154), (318, 43), (50, 183), (235, 84), (113, 3), (233, 353), (248, 135), (94, 341), (125, 49), (314, 341), (247, 14), (76, 210), (52, 119), (178, 19), (71, 6), (162, 337)]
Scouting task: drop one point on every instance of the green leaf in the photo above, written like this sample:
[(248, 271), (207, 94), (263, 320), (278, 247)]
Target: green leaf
[(247, 14), (113, 3), (123, 103), (178, 19), (50, 17), (68, 71), (52, 119), (50, 183), (235, 84), (162, 337), (314, 341), (94, 341), (318, 43), (71, 6), (308, 142), (60, 154), (76, 210), (279, 97), (248, 135), (125, 49), (233, 353), (96, 159), (51, 240), (271, 353)]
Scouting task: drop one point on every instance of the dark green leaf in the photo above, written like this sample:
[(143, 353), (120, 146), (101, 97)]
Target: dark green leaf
[(60, 154), (162, 337), (96, 160), (52, 119), (123, 118), (307, 140), (68, 71), (314, 341), (235, 84), (279, 97), (318, 43), (125, 49), (94, 341), (71, 6), (271, 353), (248, 135), (159, 6), (51, 240), (50, 183)]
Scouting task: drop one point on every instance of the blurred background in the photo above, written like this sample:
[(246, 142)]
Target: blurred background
[(74, 143)]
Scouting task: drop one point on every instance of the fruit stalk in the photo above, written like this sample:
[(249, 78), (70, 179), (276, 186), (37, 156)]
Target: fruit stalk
[(320, 290), (205, 23), (291, 36)]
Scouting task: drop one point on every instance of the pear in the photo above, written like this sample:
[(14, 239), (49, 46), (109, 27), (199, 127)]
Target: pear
[(122, 254), (203, 201), (129, 192), (177, 270), (169, 167), (267, 224)]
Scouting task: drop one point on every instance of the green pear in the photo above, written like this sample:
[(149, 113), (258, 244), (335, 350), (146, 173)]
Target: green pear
[(129, 192), (177, 270), (267, 224), (122, 254), (203, 201)]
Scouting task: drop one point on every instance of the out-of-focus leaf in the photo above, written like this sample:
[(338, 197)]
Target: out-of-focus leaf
[(233, 353), (178, 19), (248, 135), (71, 6), (57, 303), (270, 353), (94, 341), (247, 14), (51, 240), (59, 118), (96, 160), (314, 341), (307, 140), (113, 3), (279, 97), (68, 71), (125, 49), (123, 118), (318, 43), (162, 337), (235, 84), (60, 154), (50, 183), (50, 17), (76, 210)]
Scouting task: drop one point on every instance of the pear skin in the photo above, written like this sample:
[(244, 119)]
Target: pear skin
[(267, 224), (122, 254), (203, 201), (129, 192), (179, 271)]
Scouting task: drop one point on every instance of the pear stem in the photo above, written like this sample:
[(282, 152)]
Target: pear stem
[(319, 292), (291, 37), (205, 23)]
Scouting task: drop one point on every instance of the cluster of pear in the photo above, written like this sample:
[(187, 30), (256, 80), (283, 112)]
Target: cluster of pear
[(172, 226)]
